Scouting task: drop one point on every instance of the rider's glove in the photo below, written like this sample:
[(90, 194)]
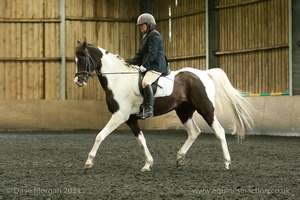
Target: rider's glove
[(142, 69)]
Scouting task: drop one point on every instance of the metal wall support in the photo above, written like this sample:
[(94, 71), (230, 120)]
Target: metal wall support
[(62, 50), (294, 48), (211, 34)]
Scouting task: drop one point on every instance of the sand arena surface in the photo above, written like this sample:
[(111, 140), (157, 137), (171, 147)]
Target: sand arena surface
[(50, 166)]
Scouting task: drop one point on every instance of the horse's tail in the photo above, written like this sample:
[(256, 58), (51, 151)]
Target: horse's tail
[(231, 99)]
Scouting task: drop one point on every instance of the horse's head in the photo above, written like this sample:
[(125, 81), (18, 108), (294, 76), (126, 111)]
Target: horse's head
[(87, 59)]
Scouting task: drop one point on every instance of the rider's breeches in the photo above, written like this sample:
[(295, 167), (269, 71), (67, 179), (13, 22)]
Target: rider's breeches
[(150, 77)]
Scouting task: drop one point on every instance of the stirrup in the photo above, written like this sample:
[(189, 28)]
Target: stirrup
[(143, 114)]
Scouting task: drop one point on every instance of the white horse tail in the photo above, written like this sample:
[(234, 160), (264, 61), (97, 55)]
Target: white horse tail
[(237, 107)]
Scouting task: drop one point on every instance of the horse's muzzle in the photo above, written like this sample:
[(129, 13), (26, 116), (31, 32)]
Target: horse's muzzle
[(80, 81), (81, 78)]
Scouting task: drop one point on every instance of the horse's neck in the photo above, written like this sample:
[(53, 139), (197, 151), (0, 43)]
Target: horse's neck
[(112, 64)]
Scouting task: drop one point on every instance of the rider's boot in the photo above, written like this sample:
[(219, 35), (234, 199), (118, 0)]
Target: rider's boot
[(147, 110)]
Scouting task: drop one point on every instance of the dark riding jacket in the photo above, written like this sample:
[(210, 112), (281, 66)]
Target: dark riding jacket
[(151, 53)]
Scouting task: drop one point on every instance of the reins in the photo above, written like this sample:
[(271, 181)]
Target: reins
[(91, 62), (109, 73), (120, 73)]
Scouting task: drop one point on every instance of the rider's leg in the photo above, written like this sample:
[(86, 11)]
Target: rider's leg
[(149, 78)]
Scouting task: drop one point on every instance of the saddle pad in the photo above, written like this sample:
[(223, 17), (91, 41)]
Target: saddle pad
[(165, 85)]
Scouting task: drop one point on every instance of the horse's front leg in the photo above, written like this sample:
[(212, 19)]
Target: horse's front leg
[(148, 158), (134, 126), (113, 123)]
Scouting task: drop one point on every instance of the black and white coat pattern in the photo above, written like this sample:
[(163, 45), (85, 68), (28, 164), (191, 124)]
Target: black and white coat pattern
[(199, 91)]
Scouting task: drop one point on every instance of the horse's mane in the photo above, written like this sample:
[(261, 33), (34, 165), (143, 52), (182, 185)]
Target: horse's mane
[(123, 60), (120, 58)]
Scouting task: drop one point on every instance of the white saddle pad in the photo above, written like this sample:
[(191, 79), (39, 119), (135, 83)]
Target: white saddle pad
[(165, 85)]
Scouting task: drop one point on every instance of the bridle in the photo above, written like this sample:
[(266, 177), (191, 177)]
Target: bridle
[(89, 64)]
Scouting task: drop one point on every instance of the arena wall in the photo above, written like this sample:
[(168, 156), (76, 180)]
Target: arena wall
[(33, 50), (272, 115), (252, 48), (252, 40)]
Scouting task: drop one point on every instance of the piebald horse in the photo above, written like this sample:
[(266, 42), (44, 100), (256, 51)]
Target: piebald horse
[(185, 91)]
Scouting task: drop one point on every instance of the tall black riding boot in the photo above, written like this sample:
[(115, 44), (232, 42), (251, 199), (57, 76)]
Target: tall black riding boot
[(147, 111)]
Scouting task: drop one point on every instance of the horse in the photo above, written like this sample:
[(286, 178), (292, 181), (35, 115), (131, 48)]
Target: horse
[(190, 90)]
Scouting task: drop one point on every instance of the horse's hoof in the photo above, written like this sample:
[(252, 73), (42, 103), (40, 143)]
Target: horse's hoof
[(227, 163), (179, 167), (88, 165), (179, 164), (145, 169)]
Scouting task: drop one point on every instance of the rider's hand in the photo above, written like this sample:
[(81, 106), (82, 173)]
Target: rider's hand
[(142, 69)]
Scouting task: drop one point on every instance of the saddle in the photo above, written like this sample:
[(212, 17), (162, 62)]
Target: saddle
[(154, 85)]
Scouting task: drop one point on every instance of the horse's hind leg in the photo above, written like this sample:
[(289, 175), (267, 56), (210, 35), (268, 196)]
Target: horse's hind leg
[(193, 133), (132, 123), (220, 133), (185, 113), (213, 122)]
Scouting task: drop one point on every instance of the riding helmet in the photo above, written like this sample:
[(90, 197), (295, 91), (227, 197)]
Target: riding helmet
[(146, 18)]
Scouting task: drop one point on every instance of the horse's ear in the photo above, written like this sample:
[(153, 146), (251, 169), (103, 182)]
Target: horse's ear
[(84, 42), (78, 42)]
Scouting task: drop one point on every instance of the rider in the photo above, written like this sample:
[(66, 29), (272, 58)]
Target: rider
[(151, 59)]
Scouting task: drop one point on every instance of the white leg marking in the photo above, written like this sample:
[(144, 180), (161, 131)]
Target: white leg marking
[(113, 123), (220, 133), (148, 158), (193, 133)]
